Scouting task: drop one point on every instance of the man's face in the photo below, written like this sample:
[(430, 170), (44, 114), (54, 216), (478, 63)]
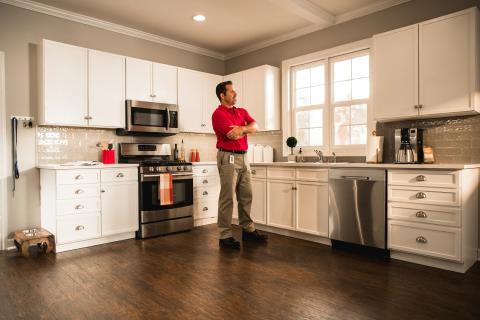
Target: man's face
[(230, 97)]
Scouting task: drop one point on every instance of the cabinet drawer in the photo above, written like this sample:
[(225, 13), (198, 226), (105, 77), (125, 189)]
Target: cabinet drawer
[(206, 209), (441, 215), (119, 174), (200, 193), (447, 179), (312, 175), (78, 191), (205, 170), (73, 206), (439, 242), (257, 172), (78, 176), (78, 227), (281, 173), (434, 196), (206, 181)]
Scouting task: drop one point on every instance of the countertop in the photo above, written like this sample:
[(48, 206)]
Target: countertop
[(98, 166), (445, 166)]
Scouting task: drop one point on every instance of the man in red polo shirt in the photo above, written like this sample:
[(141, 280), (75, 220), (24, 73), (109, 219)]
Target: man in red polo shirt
[(232, 125)]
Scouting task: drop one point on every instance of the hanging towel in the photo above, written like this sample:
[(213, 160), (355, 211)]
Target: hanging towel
[(165, 189)]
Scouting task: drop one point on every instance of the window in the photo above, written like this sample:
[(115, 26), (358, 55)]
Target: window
[(329, 99)]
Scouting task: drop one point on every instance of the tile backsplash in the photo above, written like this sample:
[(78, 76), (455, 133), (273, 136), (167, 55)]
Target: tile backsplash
[(454, 139)]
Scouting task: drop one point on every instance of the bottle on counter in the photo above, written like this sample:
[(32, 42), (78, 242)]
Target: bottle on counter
[(175, 153), (193, 155), (197, 155), (182, 152)]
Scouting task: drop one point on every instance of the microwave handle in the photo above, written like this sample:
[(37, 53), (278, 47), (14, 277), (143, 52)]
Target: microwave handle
[(168, 118)]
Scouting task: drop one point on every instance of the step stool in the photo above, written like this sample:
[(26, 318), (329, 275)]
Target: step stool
[(23, 239)]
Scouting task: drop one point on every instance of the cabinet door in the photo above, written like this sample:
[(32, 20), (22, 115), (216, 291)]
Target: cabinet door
[(446, 47), (164, 83), (396, 73), (106, 89), (64, 84), (190, 100), (259, 201), (211, 100), (280, 204), (237, 81), (138, 79), (119, 207), (312, 208)]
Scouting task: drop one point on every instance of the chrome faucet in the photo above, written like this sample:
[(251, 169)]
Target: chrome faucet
[(319, 155), (334, 157)]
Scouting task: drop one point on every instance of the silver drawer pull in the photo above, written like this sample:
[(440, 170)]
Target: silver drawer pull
[(205, 193), (421, 239), (204, 171), (421, 214), (79, 177), (79, 206), (205, 209), (421, 178), (120, 175), (254, 171), (78, 191), (79, 228), (420, 195), (205, 181)]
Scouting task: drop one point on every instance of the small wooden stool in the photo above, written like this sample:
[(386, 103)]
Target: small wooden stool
[(42, 238)]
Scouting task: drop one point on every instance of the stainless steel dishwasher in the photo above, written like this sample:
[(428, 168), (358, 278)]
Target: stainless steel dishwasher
[(357, 206)]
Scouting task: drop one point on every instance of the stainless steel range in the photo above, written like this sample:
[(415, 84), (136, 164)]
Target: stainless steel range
[(156, 218)]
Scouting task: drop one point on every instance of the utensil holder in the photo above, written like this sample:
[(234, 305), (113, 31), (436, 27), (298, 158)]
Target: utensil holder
[(108, 156)]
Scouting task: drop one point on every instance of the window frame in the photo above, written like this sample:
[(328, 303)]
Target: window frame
[(288, 112)]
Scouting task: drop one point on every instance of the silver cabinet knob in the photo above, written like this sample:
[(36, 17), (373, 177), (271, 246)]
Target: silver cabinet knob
[(79, 191), (205, 193), (421, 214), (120, 175), (420, 195), (205, 181), (79, 177), (204, 171), (88, 117), (254, 171), (79, 206), (79, 228), (102, 191), (421, 178), (421, 239), (205, 209)]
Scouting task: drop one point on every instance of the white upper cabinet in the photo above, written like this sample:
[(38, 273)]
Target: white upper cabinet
[(150, 81), (261, 96), (106, 89), (237, 81), (196, 100), (429, 69), (64, 85)]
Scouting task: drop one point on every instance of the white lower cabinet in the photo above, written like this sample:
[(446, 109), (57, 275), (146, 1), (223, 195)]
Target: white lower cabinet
[(259, 203), (206, 189), (280, 203), (311, 203), (81, 209)]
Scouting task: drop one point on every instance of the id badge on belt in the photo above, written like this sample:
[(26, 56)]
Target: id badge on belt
[(231, 159)]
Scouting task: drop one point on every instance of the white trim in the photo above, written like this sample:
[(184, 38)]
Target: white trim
[(308, 11), (3, 156), (301, 32), (76, 17)]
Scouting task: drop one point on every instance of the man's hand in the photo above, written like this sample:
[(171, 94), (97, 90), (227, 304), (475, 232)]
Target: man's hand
[(236, 133)]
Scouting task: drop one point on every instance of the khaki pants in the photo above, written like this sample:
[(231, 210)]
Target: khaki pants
[(234, 179)]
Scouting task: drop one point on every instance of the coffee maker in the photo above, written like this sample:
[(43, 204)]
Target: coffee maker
[(409, 145)]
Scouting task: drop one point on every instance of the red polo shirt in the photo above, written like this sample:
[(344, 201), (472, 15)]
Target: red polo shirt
[(224, 117)]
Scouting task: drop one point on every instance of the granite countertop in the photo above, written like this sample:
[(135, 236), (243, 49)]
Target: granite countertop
[(98, 166), (445, 166), (204, 163)]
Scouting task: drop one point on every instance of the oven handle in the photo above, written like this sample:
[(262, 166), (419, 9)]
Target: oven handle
[(168, 118), (179, 176)]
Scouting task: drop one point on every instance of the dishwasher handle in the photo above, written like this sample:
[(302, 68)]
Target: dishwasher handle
[(364, 178)]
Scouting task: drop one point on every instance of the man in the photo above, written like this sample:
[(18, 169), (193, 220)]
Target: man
[(232, 125)]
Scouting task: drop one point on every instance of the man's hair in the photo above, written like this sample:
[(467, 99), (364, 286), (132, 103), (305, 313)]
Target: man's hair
[(222, 88)]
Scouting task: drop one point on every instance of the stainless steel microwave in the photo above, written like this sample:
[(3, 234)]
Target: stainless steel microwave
[(150, 118)]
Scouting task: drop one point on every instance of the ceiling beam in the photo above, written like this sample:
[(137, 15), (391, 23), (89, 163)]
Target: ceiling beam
[(307, 10)]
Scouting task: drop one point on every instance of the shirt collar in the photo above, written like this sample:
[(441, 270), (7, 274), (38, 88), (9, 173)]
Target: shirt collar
[(226, 108)]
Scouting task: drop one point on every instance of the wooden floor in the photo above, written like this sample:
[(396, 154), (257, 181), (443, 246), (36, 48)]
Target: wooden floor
[(187, 276)]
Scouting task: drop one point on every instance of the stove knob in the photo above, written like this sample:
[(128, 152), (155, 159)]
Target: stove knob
[(185, 168), (179, 168), (168, 169), (151, 169), (159, 169)]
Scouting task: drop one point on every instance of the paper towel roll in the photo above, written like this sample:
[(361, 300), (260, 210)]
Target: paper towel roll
[(267, 154), (375, 149)]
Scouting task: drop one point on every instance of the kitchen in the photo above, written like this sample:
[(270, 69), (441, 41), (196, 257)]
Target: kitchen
[(454, 139)]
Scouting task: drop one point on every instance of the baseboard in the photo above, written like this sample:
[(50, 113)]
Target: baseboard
[(10, 245), (432, 262)]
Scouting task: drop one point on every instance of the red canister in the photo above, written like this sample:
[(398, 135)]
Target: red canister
[(108, 156)]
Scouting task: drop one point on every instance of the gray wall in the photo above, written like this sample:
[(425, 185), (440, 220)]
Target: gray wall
[(395, 17), (21, 31)]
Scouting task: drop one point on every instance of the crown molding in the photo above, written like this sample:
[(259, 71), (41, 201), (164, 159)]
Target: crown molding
[(301, 32), (76, 17)]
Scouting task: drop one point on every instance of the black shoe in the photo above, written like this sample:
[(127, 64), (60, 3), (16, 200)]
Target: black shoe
[(229, 243), (254, 236)]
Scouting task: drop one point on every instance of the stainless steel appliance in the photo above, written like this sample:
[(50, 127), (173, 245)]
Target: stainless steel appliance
[(155, 218), (357, 206), (409, 145), (150, 118)]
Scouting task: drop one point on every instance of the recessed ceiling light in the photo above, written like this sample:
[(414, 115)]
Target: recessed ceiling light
[(199, 18)]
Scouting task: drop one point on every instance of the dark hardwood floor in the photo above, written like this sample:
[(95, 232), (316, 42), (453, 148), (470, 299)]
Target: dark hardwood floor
[(187, 276)]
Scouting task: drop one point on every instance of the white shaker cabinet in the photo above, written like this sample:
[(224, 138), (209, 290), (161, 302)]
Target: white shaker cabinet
[(106, 89), (281, 203), (206, 189), (150, 81), (63, 88), (259, 204), (211, 100), (311, 208)]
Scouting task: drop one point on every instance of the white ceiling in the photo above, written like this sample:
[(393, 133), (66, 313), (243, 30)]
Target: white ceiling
[(232, 26)]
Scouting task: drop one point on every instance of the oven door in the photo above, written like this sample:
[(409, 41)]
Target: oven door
[(182, 193), (151, 117)]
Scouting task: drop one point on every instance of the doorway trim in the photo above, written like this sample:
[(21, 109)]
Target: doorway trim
[(3, 156)]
